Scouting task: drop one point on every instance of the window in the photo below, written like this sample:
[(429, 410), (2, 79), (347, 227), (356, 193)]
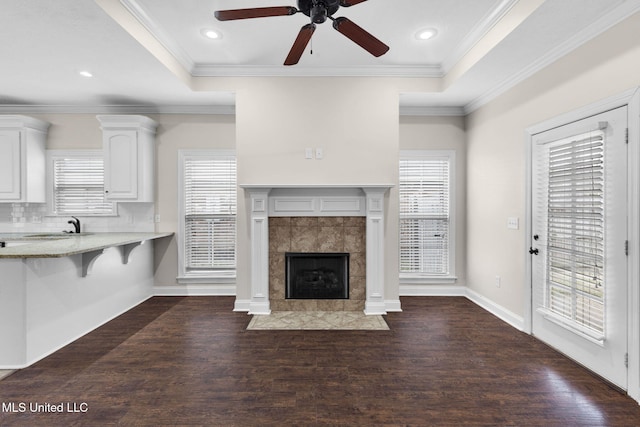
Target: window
[(77, 183), (426, 215), (208, 214), (575, 230)]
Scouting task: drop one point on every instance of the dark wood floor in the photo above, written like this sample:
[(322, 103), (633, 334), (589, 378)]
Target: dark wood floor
[(189, 361)]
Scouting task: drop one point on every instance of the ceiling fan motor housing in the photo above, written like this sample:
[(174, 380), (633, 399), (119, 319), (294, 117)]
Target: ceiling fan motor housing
[(318, 10)]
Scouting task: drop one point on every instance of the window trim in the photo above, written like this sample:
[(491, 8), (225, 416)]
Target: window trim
[(222, 276), (51, 155), (426, 278)]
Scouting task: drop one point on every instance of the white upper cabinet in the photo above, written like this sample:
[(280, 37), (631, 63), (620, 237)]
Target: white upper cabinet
[(22, 159), (129, 157)]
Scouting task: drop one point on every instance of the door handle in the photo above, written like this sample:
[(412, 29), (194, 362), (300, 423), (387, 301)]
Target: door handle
[(533, 251)]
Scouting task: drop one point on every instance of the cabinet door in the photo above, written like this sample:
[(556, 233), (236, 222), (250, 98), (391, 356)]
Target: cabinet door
[(10, 165), (121, 164)]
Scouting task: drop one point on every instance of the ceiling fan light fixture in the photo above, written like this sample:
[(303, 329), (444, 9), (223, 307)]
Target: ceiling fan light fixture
[(426, 34), (319, 13)]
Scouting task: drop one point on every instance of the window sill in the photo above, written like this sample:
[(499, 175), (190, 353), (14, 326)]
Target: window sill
[(211, 278), (572, 326), (85, 215), (415, 279)]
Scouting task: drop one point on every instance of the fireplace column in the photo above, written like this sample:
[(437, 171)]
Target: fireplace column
[(259, 251), (375, 250)]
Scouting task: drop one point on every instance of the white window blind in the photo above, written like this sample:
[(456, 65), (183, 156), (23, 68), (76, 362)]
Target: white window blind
[(78, 185), (425, 215), (575, 227), (210, 213)]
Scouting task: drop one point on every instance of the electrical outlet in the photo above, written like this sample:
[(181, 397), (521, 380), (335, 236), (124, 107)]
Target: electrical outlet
[(156, 218), (513, 223), (319, 153), (498, 281)]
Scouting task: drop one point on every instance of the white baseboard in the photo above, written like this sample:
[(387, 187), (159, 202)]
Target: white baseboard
[(392, 305), (242, 305), (432, 290), (374, 308), (222, 290), (496, 309), (259, 307)]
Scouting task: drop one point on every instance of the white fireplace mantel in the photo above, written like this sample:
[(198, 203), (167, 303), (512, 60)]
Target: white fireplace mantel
[(317, 200)]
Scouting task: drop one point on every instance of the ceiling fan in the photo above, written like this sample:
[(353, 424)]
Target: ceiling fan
[(319, 11)]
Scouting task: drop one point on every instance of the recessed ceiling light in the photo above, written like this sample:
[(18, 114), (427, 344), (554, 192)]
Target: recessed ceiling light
[(211, 34), (85, 73), (426, 34)]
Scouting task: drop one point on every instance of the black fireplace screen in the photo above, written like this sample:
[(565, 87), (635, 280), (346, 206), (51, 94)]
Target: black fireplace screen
[(317, 275)]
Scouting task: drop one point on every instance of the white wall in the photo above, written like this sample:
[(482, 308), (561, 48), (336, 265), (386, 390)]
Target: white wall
[(606, 66), (180, 132), (443, 133), (354, 120)]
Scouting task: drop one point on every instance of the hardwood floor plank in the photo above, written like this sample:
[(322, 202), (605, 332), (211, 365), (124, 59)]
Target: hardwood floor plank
[(190, 361)]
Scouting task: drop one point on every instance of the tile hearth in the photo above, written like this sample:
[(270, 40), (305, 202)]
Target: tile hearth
[(317, 320)]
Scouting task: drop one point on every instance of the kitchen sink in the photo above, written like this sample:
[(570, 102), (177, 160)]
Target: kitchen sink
[(31, 239), (13, 243), (54, 235)]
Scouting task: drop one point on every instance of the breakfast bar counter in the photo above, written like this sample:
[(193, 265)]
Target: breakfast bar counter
[(57, 287), (53, 245)]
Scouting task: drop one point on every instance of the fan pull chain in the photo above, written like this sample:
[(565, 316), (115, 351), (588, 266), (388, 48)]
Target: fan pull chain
[(311, 48)]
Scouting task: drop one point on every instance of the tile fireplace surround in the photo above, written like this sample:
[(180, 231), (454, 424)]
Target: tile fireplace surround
[(329, 218), (317, 234)]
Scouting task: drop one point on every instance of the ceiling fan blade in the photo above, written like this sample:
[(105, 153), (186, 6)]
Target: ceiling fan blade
[(359, 36), (300, 44), (256, 12), (347, 3)]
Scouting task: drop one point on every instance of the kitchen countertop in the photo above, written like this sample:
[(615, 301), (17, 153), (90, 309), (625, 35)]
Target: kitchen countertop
[(56, 245)]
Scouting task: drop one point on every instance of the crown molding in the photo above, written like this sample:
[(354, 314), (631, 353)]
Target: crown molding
[(607, 21), (215, 70), (432, 111), (19, 122), (183, 58), (501, 8), (118, 109), (185, 109)]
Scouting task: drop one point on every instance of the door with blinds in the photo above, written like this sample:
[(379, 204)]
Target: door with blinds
[(579, 235)]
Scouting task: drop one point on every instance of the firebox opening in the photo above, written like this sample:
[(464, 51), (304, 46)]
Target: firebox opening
[(310, 275)]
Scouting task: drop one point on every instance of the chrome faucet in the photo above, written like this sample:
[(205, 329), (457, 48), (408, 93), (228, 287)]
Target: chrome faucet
[(76, 224)]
